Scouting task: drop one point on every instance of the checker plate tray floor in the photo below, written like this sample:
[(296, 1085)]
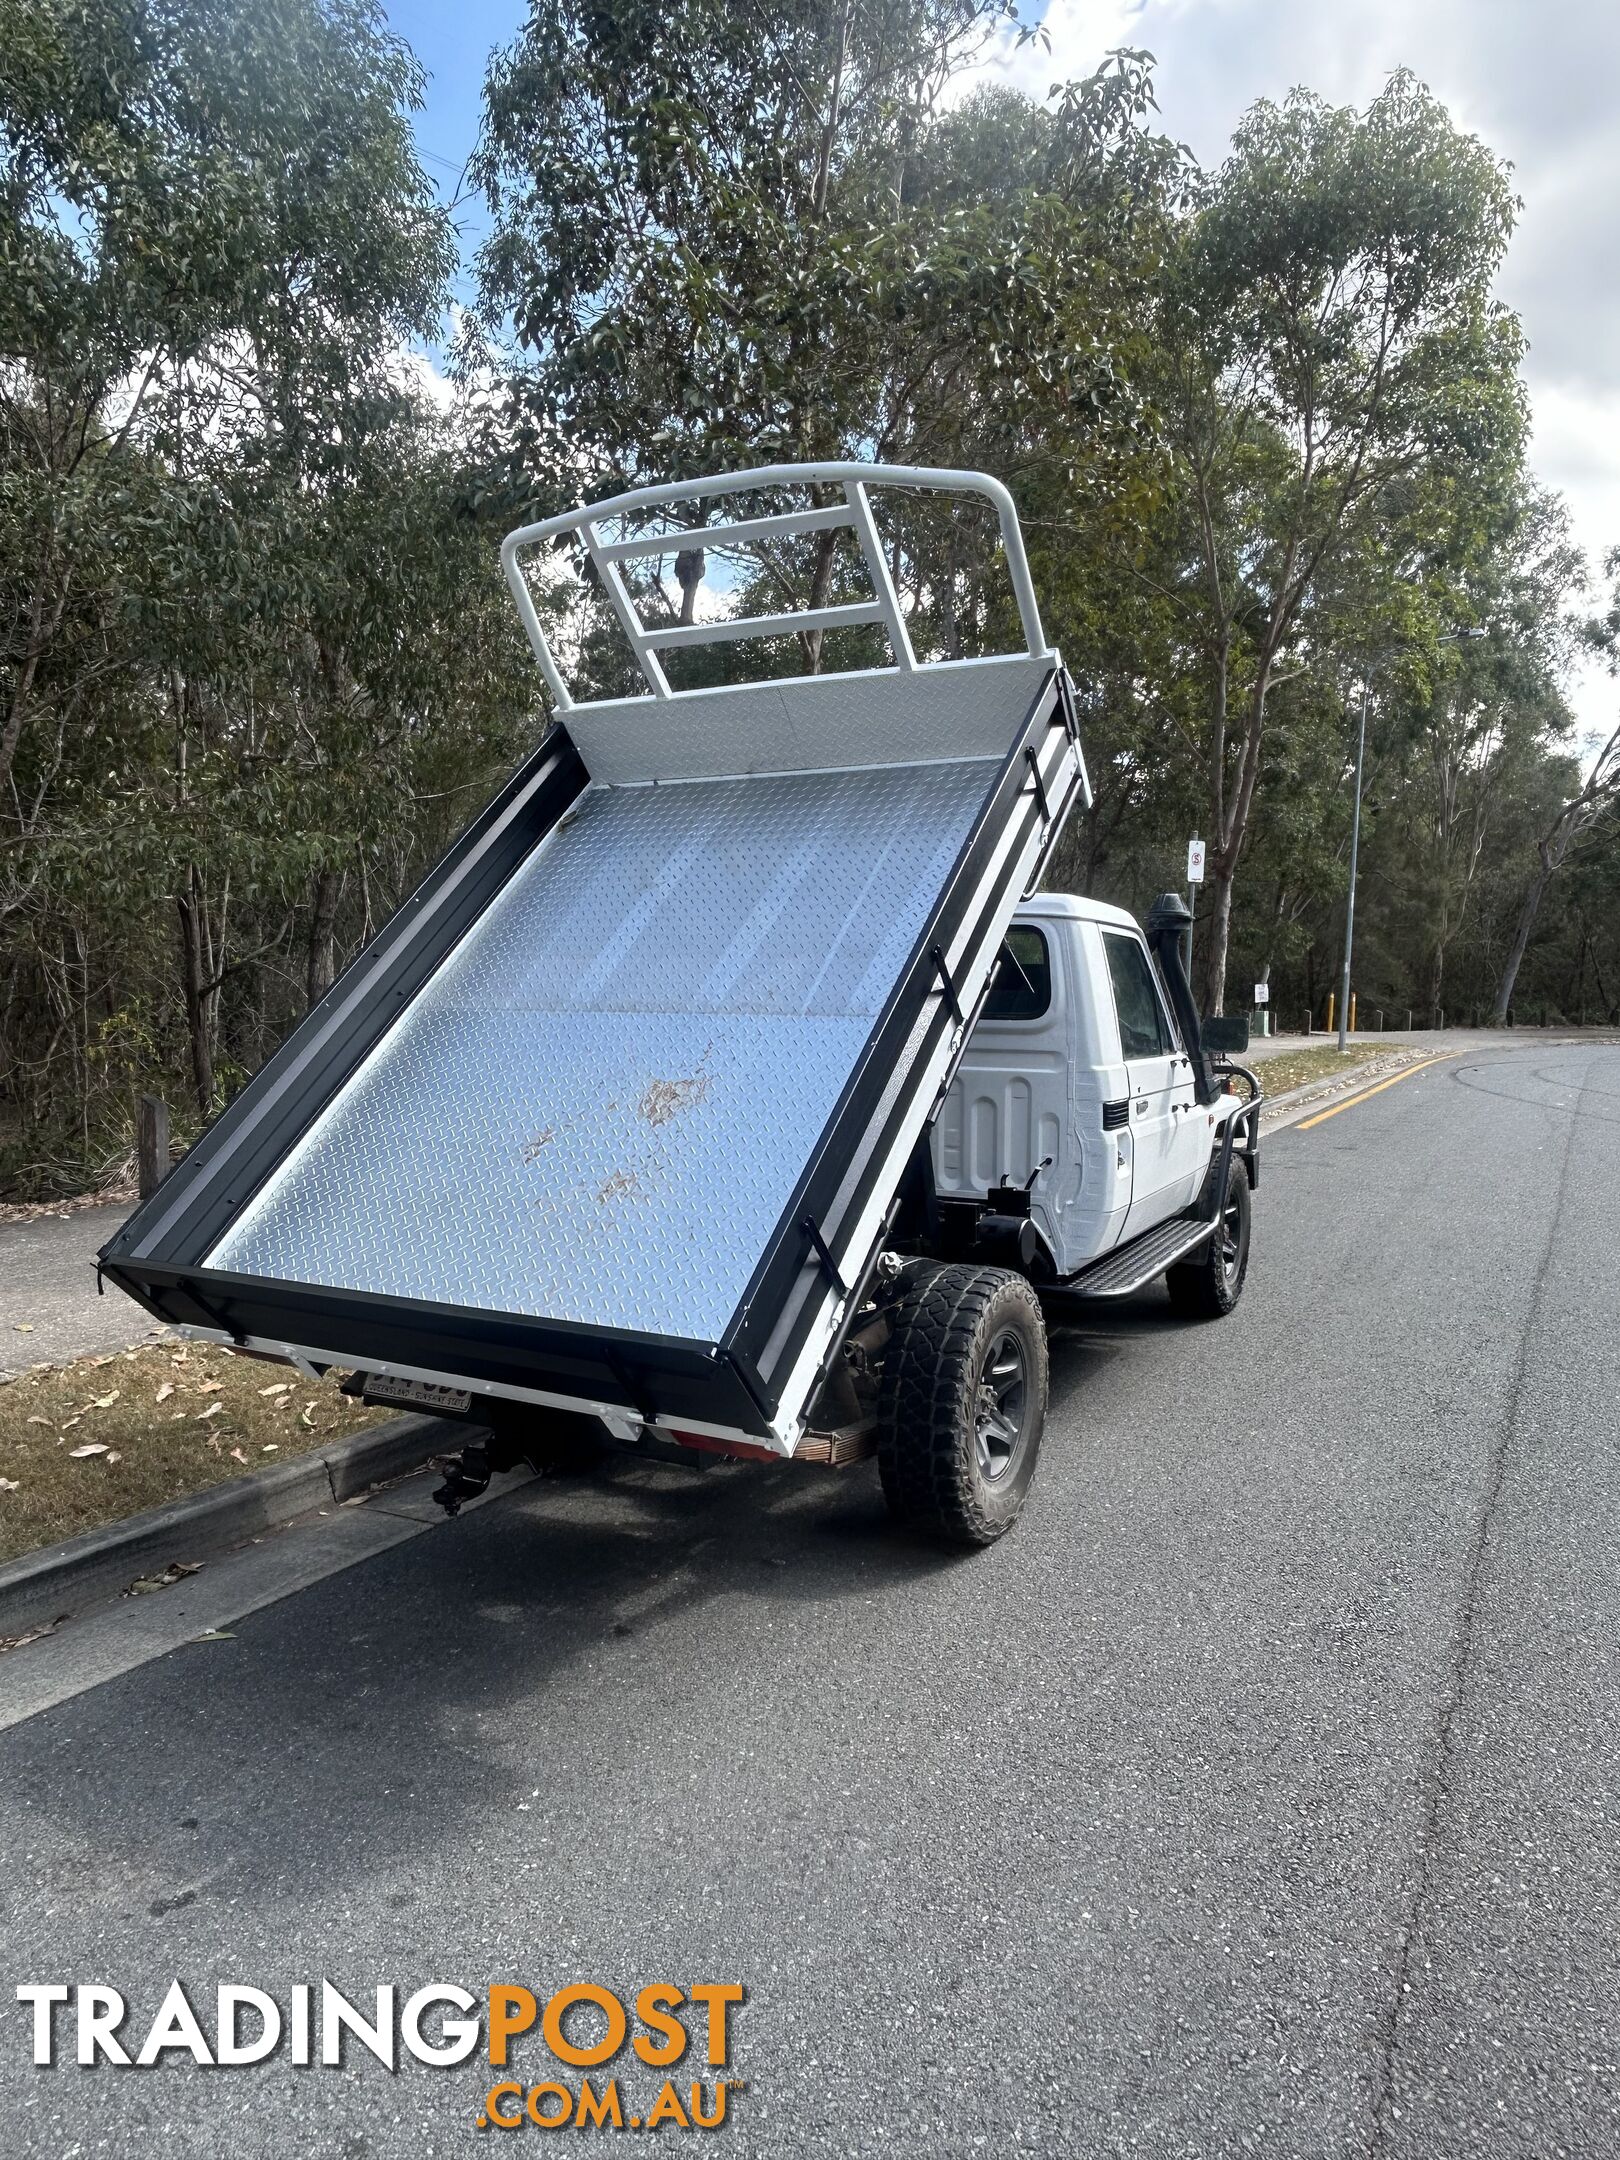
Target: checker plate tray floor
[(598, 1108)]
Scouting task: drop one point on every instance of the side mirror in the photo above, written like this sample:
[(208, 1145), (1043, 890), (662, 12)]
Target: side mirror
[(1227, 1034)]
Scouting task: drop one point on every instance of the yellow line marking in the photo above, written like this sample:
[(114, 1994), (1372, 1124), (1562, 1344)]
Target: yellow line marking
[(1367, 1094)]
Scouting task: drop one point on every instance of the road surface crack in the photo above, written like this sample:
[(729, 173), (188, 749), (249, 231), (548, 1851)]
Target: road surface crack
[(1437, 1783)]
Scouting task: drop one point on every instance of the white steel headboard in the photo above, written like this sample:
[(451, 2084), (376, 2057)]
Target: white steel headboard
[(855, 510)]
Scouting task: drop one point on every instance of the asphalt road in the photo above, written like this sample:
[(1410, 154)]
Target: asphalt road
[(1258, 1794)]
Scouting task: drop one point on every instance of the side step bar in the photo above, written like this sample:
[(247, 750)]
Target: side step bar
[(1128, 1267)]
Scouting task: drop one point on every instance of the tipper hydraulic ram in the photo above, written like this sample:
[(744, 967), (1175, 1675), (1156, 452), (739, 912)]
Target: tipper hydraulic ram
[(615, 1114)]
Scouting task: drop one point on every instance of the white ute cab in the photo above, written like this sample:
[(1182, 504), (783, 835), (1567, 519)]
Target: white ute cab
[(1076, 1085), (1088, 1144)]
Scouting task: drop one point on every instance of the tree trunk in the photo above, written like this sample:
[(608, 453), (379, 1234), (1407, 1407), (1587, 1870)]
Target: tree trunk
[(689, 568), (321, 970), (1521, 936), (196, 971), (1602, 989), (1231, 821), (1218, 938), (820, 586), (40, 633)]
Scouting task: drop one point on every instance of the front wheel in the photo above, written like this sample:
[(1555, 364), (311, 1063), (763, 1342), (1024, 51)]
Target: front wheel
[(1207, 1286), (963, 1403)]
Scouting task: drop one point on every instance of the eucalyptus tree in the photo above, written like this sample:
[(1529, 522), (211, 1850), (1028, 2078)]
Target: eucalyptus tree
[(1584, 822), (208, 215), (1326, 332), (727, 236), (218, 502)]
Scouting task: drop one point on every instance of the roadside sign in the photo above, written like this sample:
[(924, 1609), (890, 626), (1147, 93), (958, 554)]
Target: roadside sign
[(1195, 862), (1262, 993)]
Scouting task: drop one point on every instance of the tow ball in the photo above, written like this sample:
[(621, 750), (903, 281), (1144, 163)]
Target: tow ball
[(465, 1478)]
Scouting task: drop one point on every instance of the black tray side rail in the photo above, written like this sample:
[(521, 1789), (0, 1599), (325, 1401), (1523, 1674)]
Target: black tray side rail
[(797, 1273)]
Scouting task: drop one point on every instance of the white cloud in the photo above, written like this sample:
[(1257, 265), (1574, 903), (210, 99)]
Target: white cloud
[(416, 371)]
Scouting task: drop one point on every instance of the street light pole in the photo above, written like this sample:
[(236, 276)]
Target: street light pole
[(1355, 851)]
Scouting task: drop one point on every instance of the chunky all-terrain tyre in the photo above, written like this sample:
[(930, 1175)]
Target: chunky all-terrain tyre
[(963, 1403), (1207, 1286)]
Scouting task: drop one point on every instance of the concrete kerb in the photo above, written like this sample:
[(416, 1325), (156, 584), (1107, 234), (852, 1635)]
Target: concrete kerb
[(1280, 1111), (64, 1579)]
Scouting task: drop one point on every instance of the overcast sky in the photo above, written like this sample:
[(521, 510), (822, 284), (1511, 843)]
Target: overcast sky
[(1538, 81)]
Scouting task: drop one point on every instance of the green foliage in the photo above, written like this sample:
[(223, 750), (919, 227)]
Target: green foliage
[(1265, 424), (721, 239), (255, 657)]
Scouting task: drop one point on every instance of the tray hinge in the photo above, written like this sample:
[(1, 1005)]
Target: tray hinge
[(1069, 716)]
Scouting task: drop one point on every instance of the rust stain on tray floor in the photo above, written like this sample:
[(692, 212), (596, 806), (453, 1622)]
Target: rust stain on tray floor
[(664, 1097)]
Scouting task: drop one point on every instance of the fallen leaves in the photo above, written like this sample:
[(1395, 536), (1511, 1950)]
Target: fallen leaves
[(165, 1578), (180, 1418)]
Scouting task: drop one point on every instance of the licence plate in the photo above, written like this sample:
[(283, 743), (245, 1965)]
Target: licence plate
[(421, 1394)]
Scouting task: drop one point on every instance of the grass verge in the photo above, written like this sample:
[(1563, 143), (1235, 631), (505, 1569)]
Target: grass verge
[(102, 1438), (1294, 1068)]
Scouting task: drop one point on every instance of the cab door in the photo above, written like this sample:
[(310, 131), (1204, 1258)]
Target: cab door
[(1161, 1096)]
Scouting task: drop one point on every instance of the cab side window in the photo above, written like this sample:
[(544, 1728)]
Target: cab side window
[(1022, 985), (1143, 1030)]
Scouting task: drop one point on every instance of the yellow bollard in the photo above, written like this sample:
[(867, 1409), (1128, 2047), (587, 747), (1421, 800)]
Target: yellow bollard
[(1332, 994), (1352, 1012)]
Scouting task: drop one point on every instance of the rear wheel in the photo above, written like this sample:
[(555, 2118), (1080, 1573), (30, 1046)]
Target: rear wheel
[(963, 1403), (1207, 1286)]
